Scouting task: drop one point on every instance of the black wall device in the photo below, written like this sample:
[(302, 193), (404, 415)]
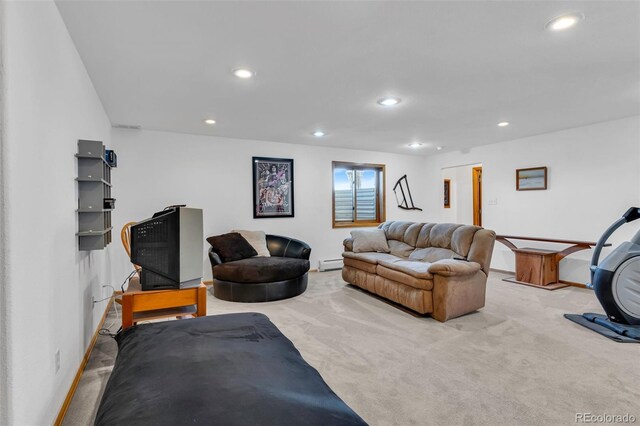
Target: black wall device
[(111, 158)]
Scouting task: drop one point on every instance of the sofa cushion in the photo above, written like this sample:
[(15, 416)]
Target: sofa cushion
[(407, 232), (400, 249), (403, 278), (231, 246), (424, 234), (261, 269), (415, 269), (257, 239), (431, 254), (411, 234), (462, 238), (441, 235), (395, 230), (369, 240), (372, 258)]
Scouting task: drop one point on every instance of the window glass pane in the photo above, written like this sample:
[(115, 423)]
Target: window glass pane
[(343, 192), (358, 194), (366, 194)]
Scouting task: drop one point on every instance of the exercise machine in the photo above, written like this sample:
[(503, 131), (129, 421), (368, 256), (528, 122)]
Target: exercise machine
[(616, 282)]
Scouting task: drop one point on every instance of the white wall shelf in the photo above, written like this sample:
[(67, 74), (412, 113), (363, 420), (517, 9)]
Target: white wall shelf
[(94, 185)]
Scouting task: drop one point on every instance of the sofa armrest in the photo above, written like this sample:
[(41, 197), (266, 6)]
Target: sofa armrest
[(458, 295), (348, 244), (280, 246), (481, 248), (214, 258), (452, 268), (299, 249)]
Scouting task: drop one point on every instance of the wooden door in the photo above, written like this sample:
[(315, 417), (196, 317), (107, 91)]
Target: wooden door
[(477, 196)]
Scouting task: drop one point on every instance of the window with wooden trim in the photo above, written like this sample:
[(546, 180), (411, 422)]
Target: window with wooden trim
[(358, 194)]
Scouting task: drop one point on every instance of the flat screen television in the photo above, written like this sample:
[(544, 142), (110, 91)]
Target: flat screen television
[(168, 247)]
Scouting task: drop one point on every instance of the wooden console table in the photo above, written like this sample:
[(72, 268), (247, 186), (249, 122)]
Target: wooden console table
[(138, 305), (539, 267)]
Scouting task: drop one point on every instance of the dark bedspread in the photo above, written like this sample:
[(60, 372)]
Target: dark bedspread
[(235, 369)]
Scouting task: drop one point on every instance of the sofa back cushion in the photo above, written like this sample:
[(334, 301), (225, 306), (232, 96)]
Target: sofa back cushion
[(430, 242), (452, 238), (462, 239), (441, 235), (407, 232), (424, 235), (401, 236)]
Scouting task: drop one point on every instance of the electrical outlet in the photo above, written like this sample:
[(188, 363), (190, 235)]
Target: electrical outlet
[(57, 361)]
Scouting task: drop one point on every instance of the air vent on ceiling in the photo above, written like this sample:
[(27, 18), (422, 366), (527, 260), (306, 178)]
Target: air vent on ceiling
[(127, 126)]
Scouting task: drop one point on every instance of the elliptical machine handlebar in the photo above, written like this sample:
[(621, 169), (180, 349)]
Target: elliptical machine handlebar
[(632, 214), (629, 216)]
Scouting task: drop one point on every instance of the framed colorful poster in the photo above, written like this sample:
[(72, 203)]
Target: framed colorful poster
[(272, 187)]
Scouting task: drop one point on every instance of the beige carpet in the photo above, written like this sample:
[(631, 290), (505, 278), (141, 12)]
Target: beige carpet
[(517, 361)]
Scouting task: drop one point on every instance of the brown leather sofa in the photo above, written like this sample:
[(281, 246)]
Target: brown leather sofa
[(439, 269)]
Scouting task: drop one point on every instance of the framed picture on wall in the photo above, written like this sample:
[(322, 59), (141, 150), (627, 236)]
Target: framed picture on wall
[(530, 179), (447, 193), (272, 187)]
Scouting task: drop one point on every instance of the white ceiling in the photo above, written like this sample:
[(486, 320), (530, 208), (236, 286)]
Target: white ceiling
[(459, 68)]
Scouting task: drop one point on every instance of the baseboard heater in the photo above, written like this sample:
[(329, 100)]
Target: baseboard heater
[(330, 264)]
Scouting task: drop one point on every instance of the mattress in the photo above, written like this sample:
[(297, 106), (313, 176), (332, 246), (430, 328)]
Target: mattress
[(234, 369)]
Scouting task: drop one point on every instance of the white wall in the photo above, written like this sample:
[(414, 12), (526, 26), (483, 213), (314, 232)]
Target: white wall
[(50, 104), (4, 368), (460, 194), (594, 176), (156, 169)]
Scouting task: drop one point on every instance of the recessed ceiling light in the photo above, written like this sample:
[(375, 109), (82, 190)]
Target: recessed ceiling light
[(389, 101), (503, 124), (563, 22), (318, 133), (439, 148), (210, 121), (415, 145), (243, 73)]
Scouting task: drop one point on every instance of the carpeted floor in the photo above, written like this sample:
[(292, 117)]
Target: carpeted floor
[(517, 361)]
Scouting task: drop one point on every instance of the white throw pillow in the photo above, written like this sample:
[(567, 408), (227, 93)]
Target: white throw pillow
[(257, 239), (368, 240)]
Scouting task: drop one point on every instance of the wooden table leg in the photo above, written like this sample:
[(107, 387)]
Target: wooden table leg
[(202, 301), (569, 250), (127, 311)]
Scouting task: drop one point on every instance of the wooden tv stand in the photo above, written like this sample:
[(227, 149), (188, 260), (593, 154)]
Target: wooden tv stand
[(138, 305), (539, 267)]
